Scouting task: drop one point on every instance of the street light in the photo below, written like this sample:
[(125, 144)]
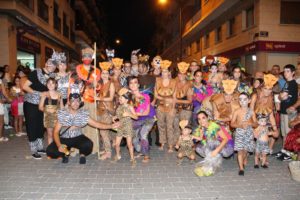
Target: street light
[(118, 41), (162, 2), (180, 3)]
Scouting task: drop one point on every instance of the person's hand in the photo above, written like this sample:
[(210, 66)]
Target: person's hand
[(44, 94), (291, 109), (126, 114), (284, 95), (298, 140), (214, 153), (176, 146), (62, 148), (115, 125)]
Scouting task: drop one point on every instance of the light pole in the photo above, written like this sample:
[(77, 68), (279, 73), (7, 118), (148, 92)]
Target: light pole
[(180, 3)]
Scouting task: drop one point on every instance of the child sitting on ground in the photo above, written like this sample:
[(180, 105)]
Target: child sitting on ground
[(185, 142)]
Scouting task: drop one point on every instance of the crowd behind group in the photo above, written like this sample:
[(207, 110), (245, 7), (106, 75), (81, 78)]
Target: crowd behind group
[(208, 108)]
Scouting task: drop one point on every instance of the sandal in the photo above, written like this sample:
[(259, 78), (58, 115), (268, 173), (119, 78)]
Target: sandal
[(105, 156), (179, 161), (116, 158), (133, 162), (146, 159)]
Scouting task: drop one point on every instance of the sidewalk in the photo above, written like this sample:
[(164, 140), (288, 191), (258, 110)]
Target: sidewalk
[(24, 178)]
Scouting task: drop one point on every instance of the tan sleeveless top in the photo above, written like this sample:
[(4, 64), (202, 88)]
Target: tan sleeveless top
[(102, 106), (165, 92), (225, 109)]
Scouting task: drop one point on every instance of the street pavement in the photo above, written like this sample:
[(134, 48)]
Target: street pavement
[(24, 178)]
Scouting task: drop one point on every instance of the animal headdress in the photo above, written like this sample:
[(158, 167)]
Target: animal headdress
[(144, 58), (229, 86), (270, 80), (165, 64), (183, 67), (105, 66), (110, 53), (184, 124), (135, 52), (223, 60), (118, 62), (123, 91), (156, 62), (87, 52)]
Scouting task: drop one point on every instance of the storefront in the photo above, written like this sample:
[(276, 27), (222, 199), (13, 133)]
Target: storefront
[(28, 51), (262, 55)]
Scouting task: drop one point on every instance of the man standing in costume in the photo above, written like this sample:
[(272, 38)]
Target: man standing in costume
[(89, 76)]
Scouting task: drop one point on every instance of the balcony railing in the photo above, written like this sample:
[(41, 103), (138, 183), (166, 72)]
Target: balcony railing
[(192, 21)]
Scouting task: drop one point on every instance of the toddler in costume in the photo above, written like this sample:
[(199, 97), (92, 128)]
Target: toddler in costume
[(185, 142), (261, 133)]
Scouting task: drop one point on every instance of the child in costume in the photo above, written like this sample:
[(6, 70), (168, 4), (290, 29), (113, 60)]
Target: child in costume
[(243, 120), (17, 106), (261, 133), (125, 113), (50, 103), (185, 142)]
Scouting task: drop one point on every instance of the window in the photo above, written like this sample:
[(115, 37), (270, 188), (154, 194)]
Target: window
[(43, 11), (289, 12), (72, 33), (56, 19), (218, 34), (198, 45), (28, 3), (231, 26), (206, 41), (65, 25), (250, 17)]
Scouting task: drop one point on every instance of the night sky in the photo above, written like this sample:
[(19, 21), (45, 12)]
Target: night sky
[(131, 21)]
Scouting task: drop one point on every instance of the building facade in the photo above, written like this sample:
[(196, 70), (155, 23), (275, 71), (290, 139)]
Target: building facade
[(30, 29), (255, 33)]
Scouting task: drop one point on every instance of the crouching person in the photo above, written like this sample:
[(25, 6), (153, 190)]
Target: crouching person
[(68, 131)]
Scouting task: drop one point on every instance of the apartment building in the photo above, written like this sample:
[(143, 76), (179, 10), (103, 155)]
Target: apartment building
[(256, 33), (30, 29)]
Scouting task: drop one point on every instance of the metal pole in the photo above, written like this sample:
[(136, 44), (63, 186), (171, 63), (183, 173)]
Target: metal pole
[(180, 31)]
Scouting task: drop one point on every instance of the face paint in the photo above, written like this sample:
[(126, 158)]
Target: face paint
[(243, 100), (262, 122)]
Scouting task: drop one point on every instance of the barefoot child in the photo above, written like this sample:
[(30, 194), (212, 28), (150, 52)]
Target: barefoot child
[(185, 142), (243, 120), (124, 114), (261, 133)]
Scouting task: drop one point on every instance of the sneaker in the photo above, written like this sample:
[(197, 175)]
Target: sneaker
[(82, 160), (4, 139), (256, 166), (65, 159), (265, 166), (42, 151), (241, 173), (287, 158), (23, 133), (36, 156), (8, 127), (19, 134)]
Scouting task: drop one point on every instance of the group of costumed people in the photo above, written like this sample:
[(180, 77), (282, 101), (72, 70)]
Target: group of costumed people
[(204, 110)]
